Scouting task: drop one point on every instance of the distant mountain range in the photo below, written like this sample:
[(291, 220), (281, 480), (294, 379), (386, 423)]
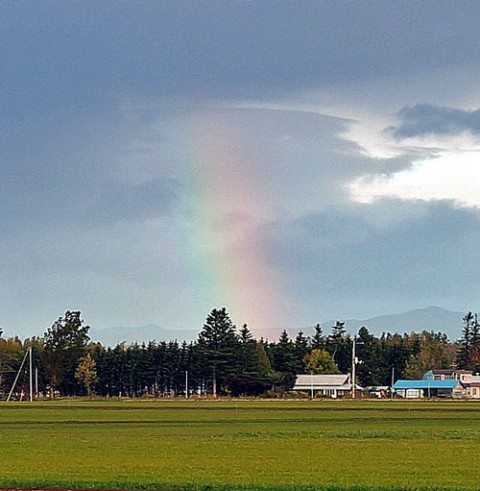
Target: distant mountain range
[(430, 319), (114, 335)]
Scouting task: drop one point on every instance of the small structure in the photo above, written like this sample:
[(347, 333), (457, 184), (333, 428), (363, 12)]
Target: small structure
[(473, 389), (378, 391), (337, 385), (429, 387)]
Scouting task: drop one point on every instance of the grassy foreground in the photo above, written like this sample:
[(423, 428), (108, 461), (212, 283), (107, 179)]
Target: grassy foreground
[(241, 445)]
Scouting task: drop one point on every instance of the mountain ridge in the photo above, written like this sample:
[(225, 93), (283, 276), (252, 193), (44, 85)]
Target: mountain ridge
[(429, 318)]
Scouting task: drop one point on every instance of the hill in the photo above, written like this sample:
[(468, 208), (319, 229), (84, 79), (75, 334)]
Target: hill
[(430, 319), (152, 332), (427, 319)]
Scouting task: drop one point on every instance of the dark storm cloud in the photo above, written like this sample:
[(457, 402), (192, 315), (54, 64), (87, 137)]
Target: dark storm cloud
[(64, 54), (425, 119)]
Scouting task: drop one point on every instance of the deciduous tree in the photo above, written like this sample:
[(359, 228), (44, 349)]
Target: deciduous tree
[(319, 361), (65, 344), (86, 373)]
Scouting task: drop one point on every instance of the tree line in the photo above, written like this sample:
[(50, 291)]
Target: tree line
[(226, 360)]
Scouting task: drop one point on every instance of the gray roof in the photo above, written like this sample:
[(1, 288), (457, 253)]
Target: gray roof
[(322, 381)]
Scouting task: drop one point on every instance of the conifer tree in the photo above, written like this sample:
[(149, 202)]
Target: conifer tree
[(252, 375), (318, 339), (339, 346), (301, 350), (217, 344), (284, 357), (466, 342)]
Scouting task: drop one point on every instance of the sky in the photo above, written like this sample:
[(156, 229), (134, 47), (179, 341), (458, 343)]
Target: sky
[(291, 161)]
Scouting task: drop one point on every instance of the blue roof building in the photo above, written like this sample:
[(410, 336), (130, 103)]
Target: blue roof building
[(428, 388)]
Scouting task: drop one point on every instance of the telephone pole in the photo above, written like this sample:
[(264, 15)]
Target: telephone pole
[(354, 363), (30, 374)]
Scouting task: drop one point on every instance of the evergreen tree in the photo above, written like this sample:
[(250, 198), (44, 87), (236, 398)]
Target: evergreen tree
[(217, 343), (285, 363), (469, 345), (301, 350), (339, 346), (470, 328), (318, 339), (185, 368), (371, 370), (284, 356), (338, 331), (252, 376)]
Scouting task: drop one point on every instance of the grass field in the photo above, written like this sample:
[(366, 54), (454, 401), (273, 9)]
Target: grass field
[(241, 445)]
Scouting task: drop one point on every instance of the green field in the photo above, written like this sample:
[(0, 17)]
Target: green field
[(319, 444)]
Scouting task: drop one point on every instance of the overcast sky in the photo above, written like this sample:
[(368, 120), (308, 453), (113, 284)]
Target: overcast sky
[(291, 161)]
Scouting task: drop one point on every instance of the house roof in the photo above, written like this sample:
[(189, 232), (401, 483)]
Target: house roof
[(474, 379), (322, 379), (451, 373), (426, 384), (324, 382)]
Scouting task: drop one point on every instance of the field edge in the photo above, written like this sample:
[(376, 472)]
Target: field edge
[(14, 485)]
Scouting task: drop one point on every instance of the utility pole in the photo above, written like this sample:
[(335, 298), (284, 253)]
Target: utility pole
[(354, 362), (392, 382), (30, 374), (17, 376), (36, 382), (186, 384)]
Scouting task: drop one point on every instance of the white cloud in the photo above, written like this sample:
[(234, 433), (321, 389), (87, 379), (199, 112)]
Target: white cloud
[(450, 176), (369, 107)]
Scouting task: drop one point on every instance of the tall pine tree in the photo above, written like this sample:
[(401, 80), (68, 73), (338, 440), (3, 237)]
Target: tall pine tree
[(217, 345)]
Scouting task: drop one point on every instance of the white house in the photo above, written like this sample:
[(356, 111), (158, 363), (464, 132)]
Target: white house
[(330, 385)]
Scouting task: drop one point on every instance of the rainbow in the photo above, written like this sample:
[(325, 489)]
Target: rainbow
[(228, 261)]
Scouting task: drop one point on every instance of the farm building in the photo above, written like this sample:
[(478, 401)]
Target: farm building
[(337, 385), (449, 374), (427, 387), (469, 381)]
